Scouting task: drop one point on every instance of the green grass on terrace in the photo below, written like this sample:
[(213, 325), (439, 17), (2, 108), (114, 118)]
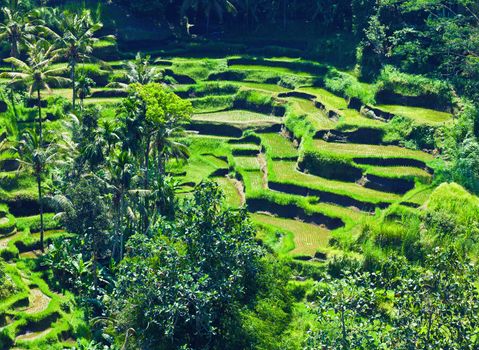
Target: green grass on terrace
[(232, 196), (237, 117), (419, 195), (305, 106), (270, 69), (247, 163), (278, 146), (285, 172), (354, 150), (253, 180), (399, 172), (260, 86), (329, 99), (307, 237), (244, 146), (350, 118), (420, 115)]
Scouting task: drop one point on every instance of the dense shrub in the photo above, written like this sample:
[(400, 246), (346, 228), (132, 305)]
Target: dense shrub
[(348, 86), (100, 76), (395, 87), (329, 167)]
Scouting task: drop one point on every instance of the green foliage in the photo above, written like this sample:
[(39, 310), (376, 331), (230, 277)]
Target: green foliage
[(391, 79), (94, 72), (329, 167), (86, 215), (7, 286), (348, 86), (161, 107), (201, 286), (399, 307)]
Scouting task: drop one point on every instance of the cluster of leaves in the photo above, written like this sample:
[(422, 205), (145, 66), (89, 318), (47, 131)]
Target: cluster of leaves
[(7, 287), (400, 306), (183, 285)]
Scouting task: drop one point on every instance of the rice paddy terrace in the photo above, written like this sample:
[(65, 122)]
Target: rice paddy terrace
[(307, 161)]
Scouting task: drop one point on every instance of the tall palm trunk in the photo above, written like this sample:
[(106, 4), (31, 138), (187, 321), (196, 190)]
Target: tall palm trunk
[(40, 200), (72, 76), (145, 199), (147, 161), (121, 232), (40, 125), (12, 101)]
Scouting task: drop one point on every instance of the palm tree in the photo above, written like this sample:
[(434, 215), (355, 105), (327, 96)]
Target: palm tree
[(168, 146), (83, 87), (36, 73), (139, 71), (110, 133), (76, 41), (16, 27), (120, 175), (208, 7), (36, 157)]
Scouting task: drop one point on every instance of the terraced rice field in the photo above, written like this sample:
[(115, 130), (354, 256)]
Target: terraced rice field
[(267, 162), (254, 149), (33, 316)]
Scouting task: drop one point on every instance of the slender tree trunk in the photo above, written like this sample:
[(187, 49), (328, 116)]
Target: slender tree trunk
[(121, 232), (72, 76), (147, 161), (95, 270), (145, 199), (40, 200), (116, 233), (40, 122), (160, 161), (12, 100)]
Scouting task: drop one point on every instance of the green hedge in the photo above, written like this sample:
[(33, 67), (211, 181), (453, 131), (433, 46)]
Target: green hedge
[(329, 167), (7, 224)]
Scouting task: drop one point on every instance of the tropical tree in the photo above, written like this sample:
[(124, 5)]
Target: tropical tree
[(83, 87), (140, 70), (38, 158), (110, 133), (157, 115), (201, 286), (86, 214), (16, 27), (119, 178), (36, 73), (168, 145), (76, 41)]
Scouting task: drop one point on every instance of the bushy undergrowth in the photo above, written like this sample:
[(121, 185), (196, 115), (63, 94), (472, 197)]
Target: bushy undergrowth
[(329, 167), (391, 79), (348, 86)]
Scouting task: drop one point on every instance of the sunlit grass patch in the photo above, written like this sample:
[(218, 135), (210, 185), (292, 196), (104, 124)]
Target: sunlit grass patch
[(350, 150), (278, 146), (420, 115), (237, 117), (307, 237), (232, 196), (286, 172), (247, 163)]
